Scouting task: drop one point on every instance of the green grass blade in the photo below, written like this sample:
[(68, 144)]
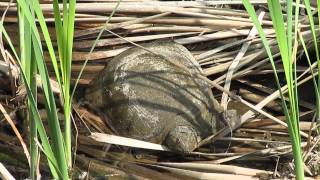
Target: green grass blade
[(293, 112), (264, 40), (315, 42), (68, 107), (289, 27), (54, 126), (59, 35), (36, 8), (35, 114), (284, 43), (29, 67), (294, 57), (309, 63), (65, 31), (93, 47), (58, 147)]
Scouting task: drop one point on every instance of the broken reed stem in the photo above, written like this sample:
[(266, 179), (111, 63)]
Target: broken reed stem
[(5, 174)]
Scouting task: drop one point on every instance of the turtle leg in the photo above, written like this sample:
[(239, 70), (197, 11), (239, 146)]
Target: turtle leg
[(182, 138)]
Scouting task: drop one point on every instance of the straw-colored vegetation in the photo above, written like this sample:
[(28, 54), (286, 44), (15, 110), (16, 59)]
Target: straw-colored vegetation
[(257, 55)]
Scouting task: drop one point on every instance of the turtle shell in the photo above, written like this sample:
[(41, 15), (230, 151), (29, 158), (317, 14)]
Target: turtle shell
[(148, 98)]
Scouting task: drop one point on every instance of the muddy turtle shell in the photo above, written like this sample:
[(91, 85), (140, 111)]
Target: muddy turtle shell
[(148, 98)]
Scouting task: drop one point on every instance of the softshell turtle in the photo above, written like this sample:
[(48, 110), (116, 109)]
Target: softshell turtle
[(148, 98)]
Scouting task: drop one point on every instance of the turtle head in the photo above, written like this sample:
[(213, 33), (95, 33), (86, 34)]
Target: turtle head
[(182, 138)]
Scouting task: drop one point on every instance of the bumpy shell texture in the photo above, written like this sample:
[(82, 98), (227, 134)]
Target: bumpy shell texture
[(148, 98)]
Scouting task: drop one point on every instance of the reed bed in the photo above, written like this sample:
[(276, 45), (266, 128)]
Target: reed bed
[(220, 35)]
